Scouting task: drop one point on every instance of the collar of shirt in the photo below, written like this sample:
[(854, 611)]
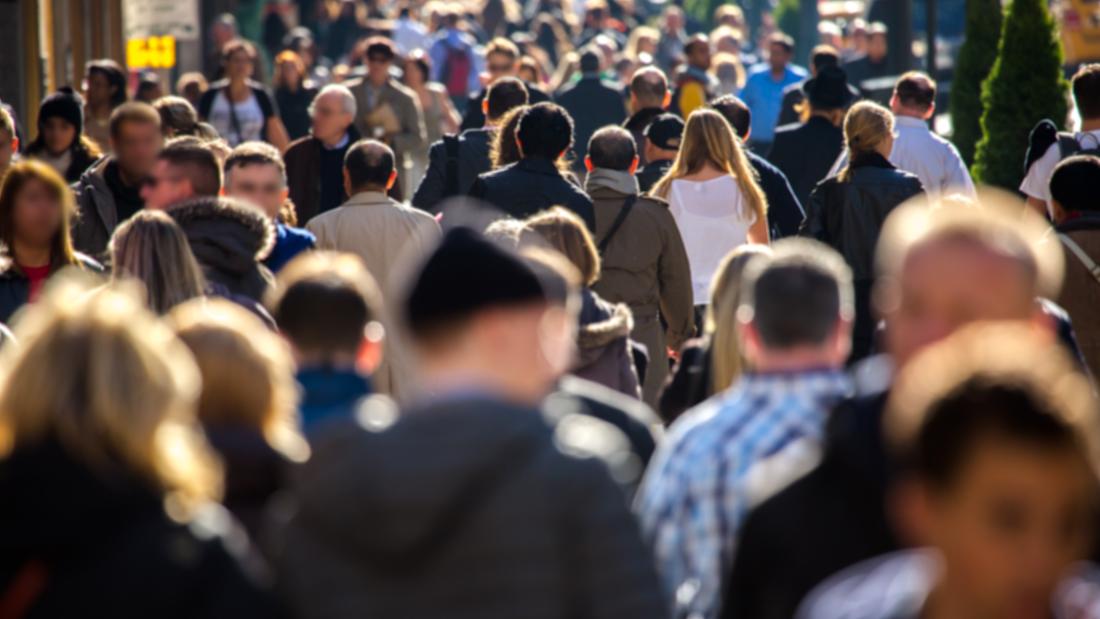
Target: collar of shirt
[(909, 122), (796, 393), (342, 143)]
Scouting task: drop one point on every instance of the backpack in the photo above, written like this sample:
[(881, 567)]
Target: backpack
[(456, 71), (1046, 134)]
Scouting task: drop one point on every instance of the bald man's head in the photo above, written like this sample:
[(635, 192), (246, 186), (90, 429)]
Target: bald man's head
[(368, 166), (649, 88)]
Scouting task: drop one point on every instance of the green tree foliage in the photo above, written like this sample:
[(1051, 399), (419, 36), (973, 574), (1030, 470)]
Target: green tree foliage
[(978, 52), (1025, 86)]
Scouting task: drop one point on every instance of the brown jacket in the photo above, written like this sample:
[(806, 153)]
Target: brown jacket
[(646, 267), (408, 136), (1081, 292)]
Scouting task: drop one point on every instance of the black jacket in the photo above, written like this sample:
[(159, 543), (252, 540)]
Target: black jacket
[(592, 104), (229, 241), (254, 472), (530, 186), (15, 288), (805, 153), (472, 160), (848, 215), (793, 95), (474, 118), (690, 383), (785, 212), (464, 508), (651, 173), (832, 518), (106, 548), (637, 124)]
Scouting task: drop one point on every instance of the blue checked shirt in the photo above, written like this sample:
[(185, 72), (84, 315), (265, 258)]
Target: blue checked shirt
[(699, 487)]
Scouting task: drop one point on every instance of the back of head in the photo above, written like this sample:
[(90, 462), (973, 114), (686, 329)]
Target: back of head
[(324, 303), (247, 372), (545, 131), (177, 116), (824, 56), (152, 249), (1073, 183), (649, 87), (590, 61), (566, 233), (736, 113), (866, 126), (505, 94), (253, 153), (369, 164), (797, 297), (612, 148), (102, 377), (916, 91), (1086, 91), (197, 162)]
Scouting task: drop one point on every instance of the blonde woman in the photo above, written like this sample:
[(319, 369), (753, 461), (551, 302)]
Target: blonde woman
[(712, 363), (248, 404), (107, 481), (846, 212), (153, 250), (714, 196)]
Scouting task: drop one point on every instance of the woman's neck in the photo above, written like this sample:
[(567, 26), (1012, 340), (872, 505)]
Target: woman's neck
[(30, 255), (238, 89)]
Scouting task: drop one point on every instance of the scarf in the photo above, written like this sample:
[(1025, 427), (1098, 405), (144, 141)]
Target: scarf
[(617, 180)]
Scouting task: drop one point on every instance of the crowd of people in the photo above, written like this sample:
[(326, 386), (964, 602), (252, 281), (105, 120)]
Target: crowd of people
[(542, 310)]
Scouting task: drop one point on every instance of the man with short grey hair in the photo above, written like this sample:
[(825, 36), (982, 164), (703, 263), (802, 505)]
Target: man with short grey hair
[(314, 163), (737, 448)]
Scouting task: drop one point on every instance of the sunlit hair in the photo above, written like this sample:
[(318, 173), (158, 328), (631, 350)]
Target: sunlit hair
[(153, 250), (289, 57), (247, 372), (721, 320), (504, 150), (177, 117), (866, 126), (18, 176), (102, 376), (709, 139), (567, 233)]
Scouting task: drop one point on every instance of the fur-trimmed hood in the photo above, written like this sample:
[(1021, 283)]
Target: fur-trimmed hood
[(601, 324)]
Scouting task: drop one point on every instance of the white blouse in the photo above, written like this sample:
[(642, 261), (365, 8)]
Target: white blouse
[(714, 220)]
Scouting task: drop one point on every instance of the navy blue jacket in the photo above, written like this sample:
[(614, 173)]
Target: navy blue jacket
[(289, 242)]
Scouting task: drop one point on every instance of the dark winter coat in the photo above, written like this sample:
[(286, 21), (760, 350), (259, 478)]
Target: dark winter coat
[(304, 177), (805, 153), (530, 186), (254, 472), (691, 381), (474, 118), (848, 215), (15, 288), (81, 159), (229, 240), (472, 159), (603, 345), (637, 124), (592, 104), (102, 545), (463, 508), (97, 210), (652, 172), (785, 212)]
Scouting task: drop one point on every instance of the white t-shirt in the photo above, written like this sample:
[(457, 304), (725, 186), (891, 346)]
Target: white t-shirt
[(1037, 182), (713, 219), (250, 119)]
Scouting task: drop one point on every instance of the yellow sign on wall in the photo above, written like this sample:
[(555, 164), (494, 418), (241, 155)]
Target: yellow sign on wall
[(151, 53)]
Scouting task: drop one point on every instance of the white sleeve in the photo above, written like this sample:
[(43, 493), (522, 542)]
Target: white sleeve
[(1037, 182), (956, 175)]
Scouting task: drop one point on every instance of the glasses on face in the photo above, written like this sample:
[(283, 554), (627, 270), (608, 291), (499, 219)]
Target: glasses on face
[(266, 189)]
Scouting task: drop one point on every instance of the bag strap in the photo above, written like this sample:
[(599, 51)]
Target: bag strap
[(450, 186), (23, 590), (628, 205), (1089, 264), (234, 122), (1067, 145)]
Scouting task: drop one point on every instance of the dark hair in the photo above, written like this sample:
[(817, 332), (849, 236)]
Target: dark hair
[(736, 113), (612, 148), (782, 40), (324, 302), (649, 86), (1086, 90), (148, 81), (254, 153), (18, 175), (198, 162), (115, 77), (916, 90), (797, 295), (133, 112), (697, 39), (505, 94), (369, 163), (420, 60), (824, 56), (1074, 181), (545, 130), (381, 46)]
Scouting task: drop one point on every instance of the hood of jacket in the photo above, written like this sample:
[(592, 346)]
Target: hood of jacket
[(225, 235), (393, 493), (601, 324)]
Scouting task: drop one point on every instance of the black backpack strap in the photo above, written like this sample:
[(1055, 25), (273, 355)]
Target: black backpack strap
[(1067, 145), (628, 205), (450, 146)]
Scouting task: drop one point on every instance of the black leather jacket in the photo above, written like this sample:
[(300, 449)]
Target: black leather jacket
[(530, 186)]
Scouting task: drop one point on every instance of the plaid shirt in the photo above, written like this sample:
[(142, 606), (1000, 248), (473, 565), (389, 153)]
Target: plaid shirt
[(703, 480)]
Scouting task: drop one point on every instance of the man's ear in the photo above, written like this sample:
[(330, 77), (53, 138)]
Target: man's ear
[(485, 106), (15, 145), (519, 146), (347, 183), (371, 348), (588, 164), (931, 111), (668, 99), (392, 179), (285, 194), (222, 192), (633, 165)]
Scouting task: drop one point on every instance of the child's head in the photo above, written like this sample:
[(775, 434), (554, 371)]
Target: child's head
[(997, 431)]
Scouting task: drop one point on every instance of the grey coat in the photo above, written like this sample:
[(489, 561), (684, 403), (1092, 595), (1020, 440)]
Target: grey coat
[(468, 508), (98, 213)]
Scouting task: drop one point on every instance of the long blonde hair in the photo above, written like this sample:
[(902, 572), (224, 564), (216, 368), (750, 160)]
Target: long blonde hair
[(152, 249), (866, 126), (101, 375), (247, 372), (721, 320), (709, 139)]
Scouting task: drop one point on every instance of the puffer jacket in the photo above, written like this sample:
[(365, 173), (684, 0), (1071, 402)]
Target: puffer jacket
[(229, 239), (848, 215), (603, 345)]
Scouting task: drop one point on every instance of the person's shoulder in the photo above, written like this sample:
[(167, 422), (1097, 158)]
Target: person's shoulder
[(892, 585), (299, 236), (793, 90), (402, 90), (785, 132), (300, 145)]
